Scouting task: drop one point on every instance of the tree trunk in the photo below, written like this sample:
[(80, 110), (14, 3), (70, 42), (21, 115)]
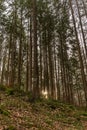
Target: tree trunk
[(36, 92)]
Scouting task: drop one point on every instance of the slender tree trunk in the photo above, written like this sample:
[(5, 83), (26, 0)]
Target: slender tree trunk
[(79, 53), (84, 41), (30, 56), (9, 60), (40, 61), (36, 92), (85, 9), (51, 70), (3, 68), (20, 54)]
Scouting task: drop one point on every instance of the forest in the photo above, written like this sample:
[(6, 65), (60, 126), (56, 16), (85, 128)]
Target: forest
[(43, 62)]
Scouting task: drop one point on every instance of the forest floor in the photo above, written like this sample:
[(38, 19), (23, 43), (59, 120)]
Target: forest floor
[(17, 113)]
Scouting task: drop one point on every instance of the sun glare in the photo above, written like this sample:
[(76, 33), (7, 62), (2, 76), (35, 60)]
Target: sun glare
[(45, 94)]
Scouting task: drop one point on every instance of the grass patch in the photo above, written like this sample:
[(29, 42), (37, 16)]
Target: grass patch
[(49, 122), (2, 88), (10, 128), (10, 91), (78, 125), (84, 114), (4, 112)]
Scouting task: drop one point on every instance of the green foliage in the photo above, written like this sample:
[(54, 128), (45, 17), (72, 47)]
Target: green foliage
[(30, 97), (18, 92), (4, 112), (53, 104), (2, 88), (49, 121), (85, 114), (10, 91), (10, 128), (15, 91), (72, 107)]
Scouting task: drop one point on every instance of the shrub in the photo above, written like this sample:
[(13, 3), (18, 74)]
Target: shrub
[(52, 104), (2, 88), (10, 91)]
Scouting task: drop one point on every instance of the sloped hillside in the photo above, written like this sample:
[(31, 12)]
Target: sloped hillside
[(17, 113)]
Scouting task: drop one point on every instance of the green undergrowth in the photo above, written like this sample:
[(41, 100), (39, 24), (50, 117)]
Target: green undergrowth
[(18, 105), (10, 128), (12, 91), (3, 111), (2, 88)]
